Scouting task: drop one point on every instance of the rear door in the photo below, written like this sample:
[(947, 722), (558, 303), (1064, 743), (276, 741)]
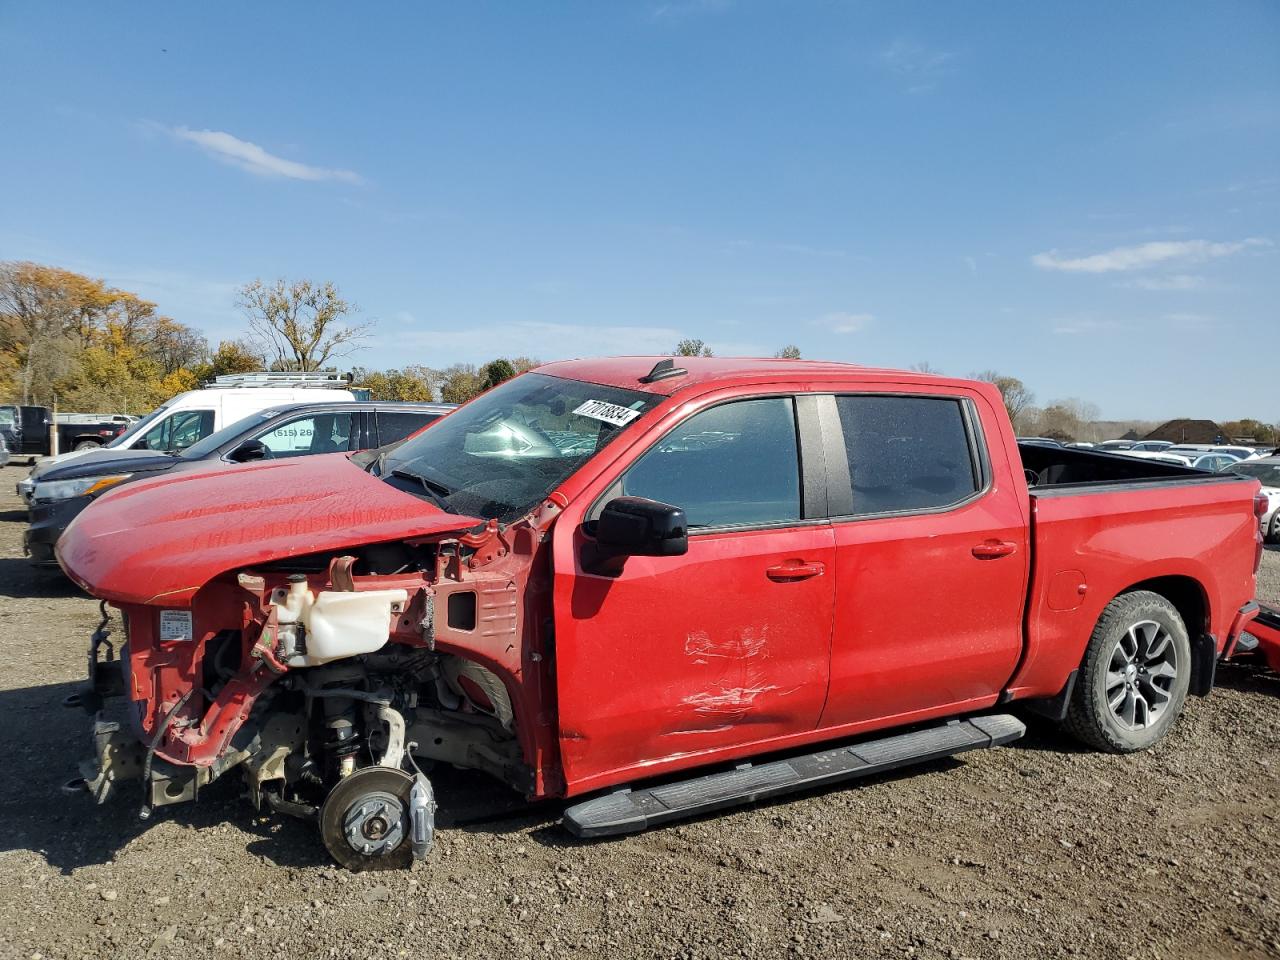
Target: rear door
[(722, 647), (931, 557)]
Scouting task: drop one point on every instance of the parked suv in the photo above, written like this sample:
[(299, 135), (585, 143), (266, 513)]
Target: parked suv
[(293, 430)]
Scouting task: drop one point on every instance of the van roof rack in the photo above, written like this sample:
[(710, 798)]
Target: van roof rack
[(325, 379)]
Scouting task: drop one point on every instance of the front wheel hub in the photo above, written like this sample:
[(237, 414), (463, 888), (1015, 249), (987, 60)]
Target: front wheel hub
[(375, 824), (364, 821)]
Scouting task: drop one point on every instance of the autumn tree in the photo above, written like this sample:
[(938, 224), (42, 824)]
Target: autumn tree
[(692, 348), (41, 311), (789, 352), (1013, 392), (495, 372), (1252, 431), (412, 383), (301, 325), (1067, 419), (459, 383), (231, 357)]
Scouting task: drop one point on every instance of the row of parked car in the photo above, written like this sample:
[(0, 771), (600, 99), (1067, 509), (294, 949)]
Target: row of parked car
[(241, 419)]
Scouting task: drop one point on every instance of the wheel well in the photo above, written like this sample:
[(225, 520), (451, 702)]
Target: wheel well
[(1188, 598)]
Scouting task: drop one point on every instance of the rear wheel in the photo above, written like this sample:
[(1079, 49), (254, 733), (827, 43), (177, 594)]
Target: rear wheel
[(1133, 682), (87, 445)]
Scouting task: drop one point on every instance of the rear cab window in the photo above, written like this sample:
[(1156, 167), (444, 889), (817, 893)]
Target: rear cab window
[(908, 453)]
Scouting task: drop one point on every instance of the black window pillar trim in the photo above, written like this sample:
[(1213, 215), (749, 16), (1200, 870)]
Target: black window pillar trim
[(814, 478), (839, 486)]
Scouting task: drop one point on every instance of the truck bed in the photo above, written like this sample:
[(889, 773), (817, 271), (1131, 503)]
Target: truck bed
[(1103, 524), (1068, 469)]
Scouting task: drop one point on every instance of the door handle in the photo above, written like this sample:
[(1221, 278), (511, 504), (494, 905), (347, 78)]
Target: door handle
[(994, 549), (795, 570)]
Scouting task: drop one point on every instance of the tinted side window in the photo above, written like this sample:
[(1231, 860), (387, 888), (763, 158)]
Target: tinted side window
[(733, 464), (906, 453), (393, 427)]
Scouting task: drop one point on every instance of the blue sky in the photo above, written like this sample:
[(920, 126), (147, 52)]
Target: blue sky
[(1085, 195)]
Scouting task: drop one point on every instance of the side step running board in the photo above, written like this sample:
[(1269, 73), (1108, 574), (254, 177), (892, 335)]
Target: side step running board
[(631, 811)]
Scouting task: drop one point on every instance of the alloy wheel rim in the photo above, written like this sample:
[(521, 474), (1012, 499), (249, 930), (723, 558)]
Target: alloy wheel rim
[(1140, 675)]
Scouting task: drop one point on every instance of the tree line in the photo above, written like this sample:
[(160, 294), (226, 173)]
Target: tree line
[(92, 347), (1071, 419), (82, 344)]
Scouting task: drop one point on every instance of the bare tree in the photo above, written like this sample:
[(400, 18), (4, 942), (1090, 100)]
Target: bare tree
[(301, 324), (1013, 391), (924, 366), (789, 352)]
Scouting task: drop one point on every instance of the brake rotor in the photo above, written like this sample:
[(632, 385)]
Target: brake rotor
[(364, 821)]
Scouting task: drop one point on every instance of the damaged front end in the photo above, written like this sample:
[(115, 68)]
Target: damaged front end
[(330, 681)]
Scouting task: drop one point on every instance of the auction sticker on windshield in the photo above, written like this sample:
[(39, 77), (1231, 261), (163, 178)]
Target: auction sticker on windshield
[(608, 412), (175, 625)]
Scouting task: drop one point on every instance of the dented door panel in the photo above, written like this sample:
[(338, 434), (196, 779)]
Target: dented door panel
[(685, 655)]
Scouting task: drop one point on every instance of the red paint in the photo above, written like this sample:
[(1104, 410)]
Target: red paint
[(157, 541), (752, 641)]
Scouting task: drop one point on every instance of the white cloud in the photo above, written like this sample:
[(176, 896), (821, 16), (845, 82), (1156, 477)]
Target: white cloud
[(251, 157), (1144, 255), (1080, 326), (919, 66), (1193, 321), (845, 322), (1175, 281), (678, 9)]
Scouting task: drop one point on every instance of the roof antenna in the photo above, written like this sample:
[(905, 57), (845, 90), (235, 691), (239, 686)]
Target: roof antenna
[(664, 370)]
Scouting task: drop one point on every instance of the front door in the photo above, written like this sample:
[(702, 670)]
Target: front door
[(725, 646)]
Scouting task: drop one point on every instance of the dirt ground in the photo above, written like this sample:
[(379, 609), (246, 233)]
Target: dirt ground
[(1035, 850)]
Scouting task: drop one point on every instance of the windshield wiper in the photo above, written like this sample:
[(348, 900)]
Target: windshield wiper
[(436, 491)]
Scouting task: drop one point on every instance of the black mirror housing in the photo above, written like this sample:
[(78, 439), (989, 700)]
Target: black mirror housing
[(635, 526), (248, 451)]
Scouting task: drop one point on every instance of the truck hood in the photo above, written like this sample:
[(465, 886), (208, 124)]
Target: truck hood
[(159, 540)]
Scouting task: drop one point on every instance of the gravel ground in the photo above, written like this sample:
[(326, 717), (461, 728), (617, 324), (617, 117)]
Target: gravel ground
[(1035, 850)]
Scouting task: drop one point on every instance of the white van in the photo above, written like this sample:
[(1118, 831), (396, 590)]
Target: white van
[(182, 420)]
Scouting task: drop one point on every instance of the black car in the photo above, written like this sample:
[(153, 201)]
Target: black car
[(292, 430)]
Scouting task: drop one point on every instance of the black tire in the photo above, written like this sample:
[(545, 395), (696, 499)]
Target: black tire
[(87, 445), (1123, 703), (1274, 536)]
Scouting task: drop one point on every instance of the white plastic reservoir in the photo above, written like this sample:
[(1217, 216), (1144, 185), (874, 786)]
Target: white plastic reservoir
[(340, 623)]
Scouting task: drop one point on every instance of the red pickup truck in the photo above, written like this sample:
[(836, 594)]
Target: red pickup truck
[(628, 581)]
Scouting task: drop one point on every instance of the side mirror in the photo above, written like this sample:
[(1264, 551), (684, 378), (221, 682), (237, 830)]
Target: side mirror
[(249, 451), (636, 527)]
